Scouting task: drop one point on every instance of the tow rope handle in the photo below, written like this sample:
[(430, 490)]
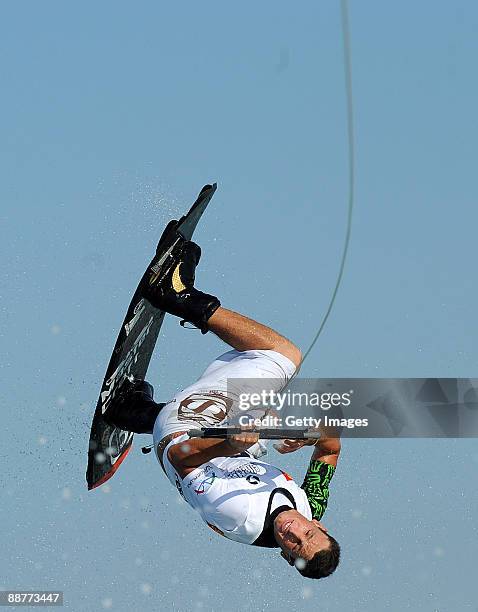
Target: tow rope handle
[(265, 434)]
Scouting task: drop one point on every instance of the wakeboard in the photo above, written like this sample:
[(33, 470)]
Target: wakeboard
[(109, 445)]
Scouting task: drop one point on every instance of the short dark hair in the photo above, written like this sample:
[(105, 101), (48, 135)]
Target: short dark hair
[(324, 562)]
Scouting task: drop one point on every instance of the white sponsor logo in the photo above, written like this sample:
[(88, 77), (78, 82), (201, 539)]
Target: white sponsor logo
[(118, 440), (156, 269), (124, 368), (138, 311)]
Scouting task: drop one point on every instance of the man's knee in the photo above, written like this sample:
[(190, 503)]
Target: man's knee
[(291, 351)]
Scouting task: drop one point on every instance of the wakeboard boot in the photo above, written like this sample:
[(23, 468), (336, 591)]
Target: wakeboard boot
[(175, 293), (134, 408)]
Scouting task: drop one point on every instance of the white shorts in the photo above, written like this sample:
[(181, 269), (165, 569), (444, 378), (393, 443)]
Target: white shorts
[(208, 401)]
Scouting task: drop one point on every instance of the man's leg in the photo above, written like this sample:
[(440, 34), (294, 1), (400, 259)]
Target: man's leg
[(177, 295), (245, 334)]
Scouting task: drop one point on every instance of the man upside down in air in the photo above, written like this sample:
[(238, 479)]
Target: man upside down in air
[(237, 494)]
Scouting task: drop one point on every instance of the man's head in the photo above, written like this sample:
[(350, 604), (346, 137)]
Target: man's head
[(306, 544)]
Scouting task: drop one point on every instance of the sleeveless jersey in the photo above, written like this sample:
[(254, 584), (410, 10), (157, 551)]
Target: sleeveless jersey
[(233, 494)]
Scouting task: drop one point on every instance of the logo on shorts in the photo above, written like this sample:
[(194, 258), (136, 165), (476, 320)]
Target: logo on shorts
[(245, 470), (204, 485), (253, 479), (205, 409)]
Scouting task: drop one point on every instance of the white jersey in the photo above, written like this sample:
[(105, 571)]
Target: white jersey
[(232, 494), (235, 495)]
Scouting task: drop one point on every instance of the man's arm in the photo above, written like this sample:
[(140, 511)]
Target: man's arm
[(327, 450), (319, 474), (321, 468), (187, 456)]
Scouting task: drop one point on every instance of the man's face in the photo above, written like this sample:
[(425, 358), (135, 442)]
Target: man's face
[(299, 537)]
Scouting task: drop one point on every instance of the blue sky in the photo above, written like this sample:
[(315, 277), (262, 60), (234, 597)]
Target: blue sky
[(112, 117)]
